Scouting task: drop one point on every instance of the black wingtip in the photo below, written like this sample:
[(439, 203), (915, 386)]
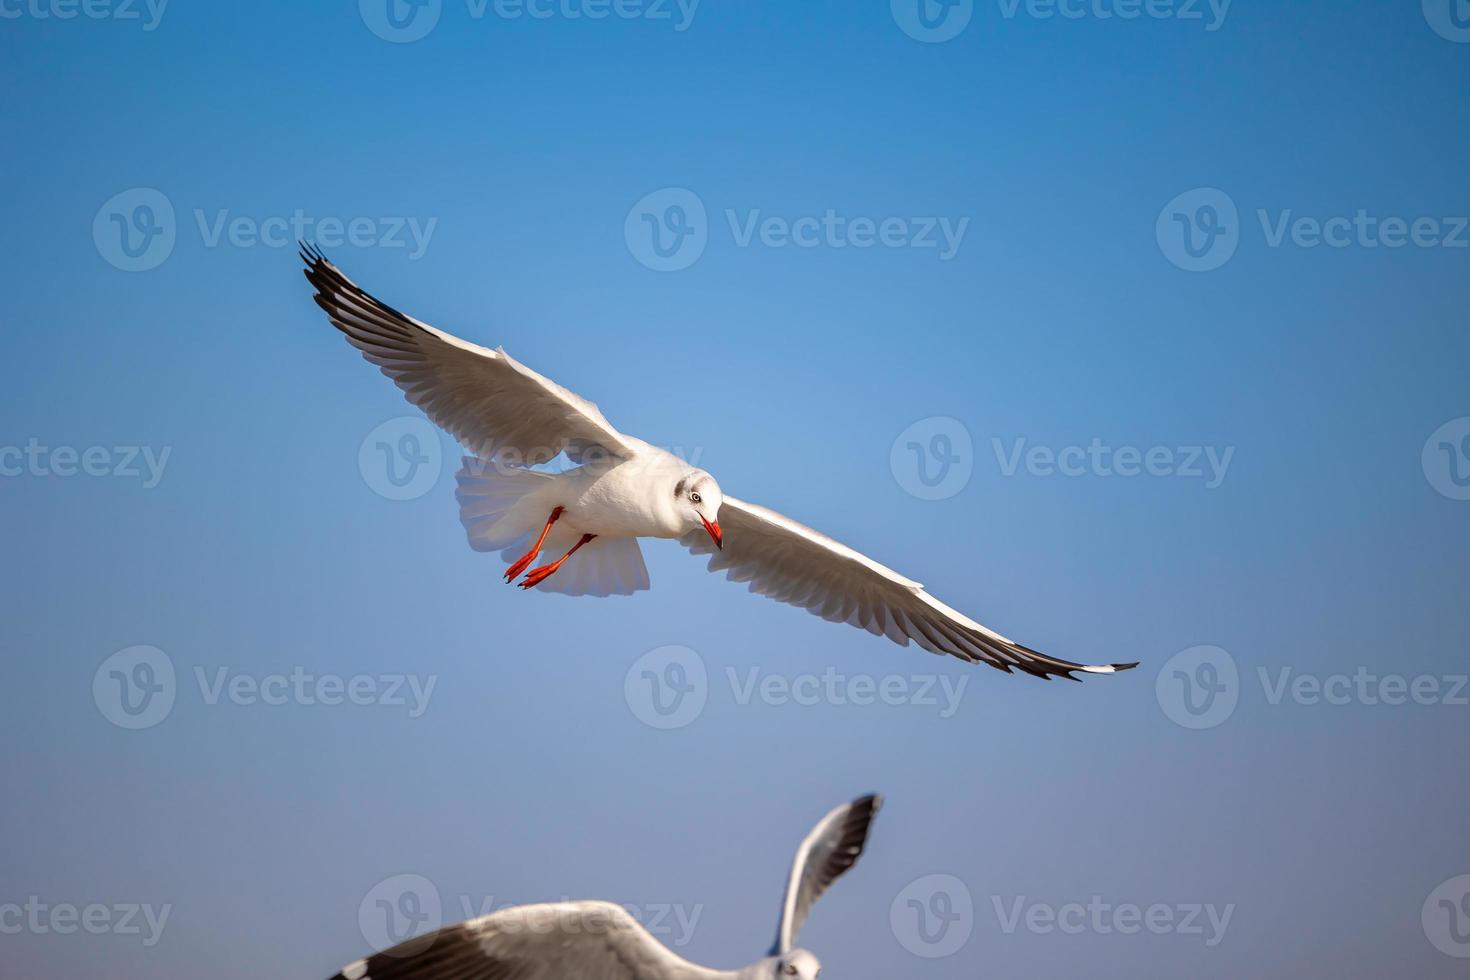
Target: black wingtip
[(310, 254), (1121, 667)]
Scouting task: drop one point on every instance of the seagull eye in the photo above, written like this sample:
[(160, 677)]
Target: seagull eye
[(696, 498)]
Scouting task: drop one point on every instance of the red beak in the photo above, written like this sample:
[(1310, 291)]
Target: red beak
[(713, 527)]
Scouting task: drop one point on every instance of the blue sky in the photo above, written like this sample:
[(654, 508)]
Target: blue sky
[(187, 465)]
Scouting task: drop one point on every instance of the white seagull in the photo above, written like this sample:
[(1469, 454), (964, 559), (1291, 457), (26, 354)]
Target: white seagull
[(623, 489), (601, 941)]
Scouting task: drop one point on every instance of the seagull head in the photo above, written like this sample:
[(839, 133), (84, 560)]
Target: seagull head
[(699, 497), (799, 964)]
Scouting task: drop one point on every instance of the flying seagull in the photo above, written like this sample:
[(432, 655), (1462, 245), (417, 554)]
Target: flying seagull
[(623, 489), (601, 941)]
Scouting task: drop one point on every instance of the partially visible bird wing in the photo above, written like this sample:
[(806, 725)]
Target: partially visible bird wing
[(794, 564), (484, 398), (561, 941), (832, 847)]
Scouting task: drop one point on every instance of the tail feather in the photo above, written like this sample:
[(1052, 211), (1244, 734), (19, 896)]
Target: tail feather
[(486, 495), (603, 567)]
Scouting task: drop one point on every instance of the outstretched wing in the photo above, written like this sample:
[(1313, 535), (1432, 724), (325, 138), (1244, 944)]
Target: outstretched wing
[(794, 564), (586, 940), (487, 400), (832, 847)]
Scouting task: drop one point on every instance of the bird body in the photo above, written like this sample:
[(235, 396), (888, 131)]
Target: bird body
[(596, 940), (610, 498), (621, 489)]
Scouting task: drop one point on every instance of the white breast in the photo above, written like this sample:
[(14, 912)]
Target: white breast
[(632, 498)]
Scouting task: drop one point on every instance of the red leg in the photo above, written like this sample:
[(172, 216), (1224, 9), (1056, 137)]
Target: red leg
[(530, 556), (538, 575)]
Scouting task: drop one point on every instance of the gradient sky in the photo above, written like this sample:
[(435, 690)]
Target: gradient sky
[(1333, 543)]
